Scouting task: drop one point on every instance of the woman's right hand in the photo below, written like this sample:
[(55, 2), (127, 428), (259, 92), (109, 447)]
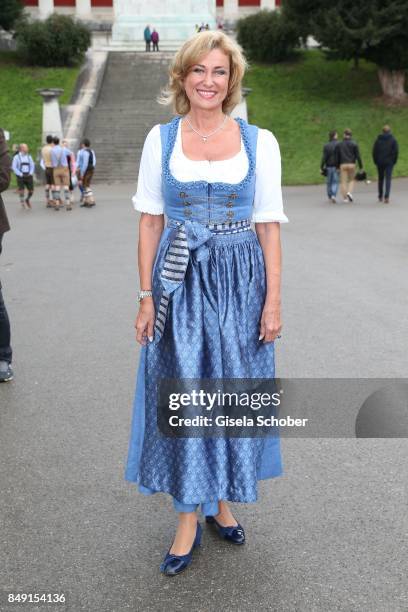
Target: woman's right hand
[(144, 324)]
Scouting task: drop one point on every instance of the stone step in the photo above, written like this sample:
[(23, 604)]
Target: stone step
[(125, 112)]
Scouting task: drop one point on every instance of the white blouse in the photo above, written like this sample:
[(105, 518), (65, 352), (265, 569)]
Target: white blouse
[(267, 204)]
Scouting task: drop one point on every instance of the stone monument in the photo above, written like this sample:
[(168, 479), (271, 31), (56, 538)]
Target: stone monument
[(174, 20), (51, 123)]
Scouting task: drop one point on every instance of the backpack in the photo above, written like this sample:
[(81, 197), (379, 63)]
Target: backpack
[(91, 163)]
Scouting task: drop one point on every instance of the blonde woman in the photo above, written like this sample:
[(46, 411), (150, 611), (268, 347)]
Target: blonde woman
[(210, 286)]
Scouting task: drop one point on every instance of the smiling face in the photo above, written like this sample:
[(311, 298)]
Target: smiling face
[(206, 83)]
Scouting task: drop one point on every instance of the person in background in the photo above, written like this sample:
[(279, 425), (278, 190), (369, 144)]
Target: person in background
[(147, 37), (155, 40), (347, 154), (71, 170), (328, 165), (85, 170), (59, 157), (78, 163), (14, 151), (23, 167), (48, 169), (385, 156), (6, 372)]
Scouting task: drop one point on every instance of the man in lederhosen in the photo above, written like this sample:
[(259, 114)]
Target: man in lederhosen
[(86, 165), (72, 174), (48, 169), (59, 157), (23, 167)]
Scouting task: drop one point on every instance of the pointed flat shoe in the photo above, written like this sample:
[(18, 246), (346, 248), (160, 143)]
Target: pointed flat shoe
[(175, 564), (235, 533)]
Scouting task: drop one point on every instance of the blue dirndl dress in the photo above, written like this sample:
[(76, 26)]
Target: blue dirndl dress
[(209, 288)]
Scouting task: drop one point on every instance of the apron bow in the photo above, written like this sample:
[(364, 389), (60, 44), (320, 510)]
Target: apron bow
[(187, 238)]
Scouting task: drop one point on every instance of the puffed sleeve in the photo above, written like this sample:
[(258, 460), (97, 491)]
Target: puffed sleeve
[(268, 205), (148, 197)]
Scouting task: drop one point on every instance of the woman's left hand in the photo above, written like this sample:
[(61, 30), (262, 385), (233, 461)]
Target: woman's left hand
[(271, 324), (144, 323)]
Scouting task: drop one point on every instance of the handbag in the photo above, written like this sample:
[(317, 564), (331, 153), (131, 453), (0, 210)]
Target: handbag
[(361, 175)]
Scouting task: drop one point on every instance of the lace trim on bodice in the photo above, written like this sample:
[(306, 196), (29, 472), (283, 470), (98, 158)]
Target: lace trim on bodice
[(219, 186)]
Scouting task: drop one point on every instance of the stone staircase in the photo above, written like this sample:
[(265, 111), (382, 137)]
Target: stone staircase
[(125, 111)]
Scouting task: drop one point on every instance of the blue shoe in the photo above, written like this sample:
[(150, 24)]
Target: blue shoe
[(235, 533), (174, 564), (6, 373)]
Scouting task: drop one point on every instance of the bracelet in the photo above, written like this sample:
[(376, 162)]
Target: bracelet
[(143, 294)]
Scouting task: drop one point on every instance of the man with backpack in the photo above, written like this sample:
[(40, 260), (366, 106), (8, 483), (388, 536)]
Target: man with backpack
[(86, 163)]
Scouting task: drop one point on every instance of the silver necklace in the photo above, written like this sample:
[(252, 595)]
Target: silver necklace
[(205, 138)]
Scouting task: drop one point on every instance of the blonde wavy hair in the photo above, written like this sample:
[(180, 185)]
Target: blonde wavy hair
[(188, 55)]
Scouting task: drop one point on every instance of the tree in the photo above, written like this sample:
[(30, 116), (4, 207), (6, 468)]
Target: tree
[(376, 30), (10, 11), (267, 36), (344, 29), (390, 50), (60, 40), (298, 13)]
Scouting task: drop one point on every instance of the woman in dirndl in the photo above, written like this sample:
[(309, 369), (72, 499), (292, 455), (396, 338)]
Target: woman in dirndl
[(210, 286)]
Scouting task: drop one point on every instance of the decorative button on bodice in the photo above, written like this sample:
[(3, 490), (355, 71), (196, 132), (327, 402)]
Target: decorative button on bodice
[(202, 201)]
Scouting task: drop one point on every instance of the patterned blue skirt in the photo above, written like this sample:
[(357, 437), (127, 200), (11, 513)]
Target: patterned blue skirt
[(211, 331)]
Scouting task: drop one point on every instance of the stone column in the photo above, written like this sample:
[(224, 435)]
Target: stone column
[(83, 9), (268, 4), (241, 110), (45, 8), (51, 112)]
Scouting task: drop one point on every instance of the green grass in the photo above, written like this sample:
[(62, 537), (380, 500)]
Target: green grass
[(20, 105), (302, 100)]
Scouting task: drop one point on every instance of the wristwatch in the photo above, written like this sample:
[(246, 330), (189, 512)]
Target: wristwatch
[(143, 294)]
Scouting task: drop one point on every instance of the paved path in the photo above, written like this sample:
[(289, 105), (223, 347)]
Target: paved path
[(329, 535)]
